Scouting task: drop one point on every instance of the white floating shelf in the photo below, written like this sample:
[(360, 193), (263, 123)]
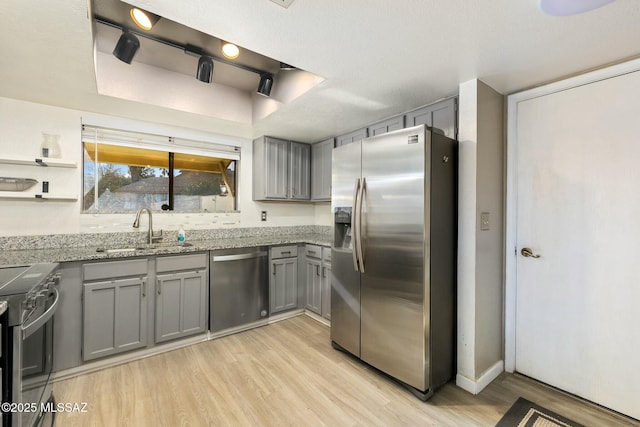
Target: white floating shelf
[(37, 161), (39, 196)]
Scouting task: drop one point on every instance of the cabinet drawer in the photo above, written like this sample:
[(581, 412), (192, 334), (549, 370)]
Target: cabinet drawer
[(181, 262), (326, 254), (111, 269), (313, 251), (284, 251)]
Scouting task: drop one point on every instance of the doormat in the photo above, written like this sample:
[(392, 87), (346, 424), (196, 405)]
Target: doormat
[(527, 414)]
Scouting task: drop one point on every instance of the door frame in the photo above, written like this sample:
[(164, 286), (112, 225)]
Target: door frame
[(511, 250)]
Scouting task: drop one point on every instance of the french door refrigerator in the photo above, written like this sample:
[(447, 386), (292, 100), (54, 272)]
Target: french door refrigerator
[(394, 254)]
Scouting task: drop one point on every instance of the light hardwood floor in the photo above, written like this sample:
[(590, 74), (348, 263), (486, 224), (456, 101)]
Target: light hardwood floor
[(287, 373)]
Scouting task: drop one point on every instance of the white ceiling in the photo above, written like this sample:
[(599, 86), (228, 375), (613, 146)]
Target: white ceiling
[(379, 57)]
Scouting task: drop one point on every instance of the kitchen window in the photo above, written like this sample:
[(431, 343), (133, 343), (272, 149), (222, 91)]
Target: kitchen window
[(125, 171)]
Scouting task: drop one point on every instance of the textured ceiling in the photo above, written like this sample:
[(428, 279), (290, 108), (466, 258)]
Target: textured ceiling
[(378, 57)]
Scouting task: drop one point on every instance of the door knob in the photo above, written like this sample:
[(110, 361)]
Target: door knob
[(527, 252)]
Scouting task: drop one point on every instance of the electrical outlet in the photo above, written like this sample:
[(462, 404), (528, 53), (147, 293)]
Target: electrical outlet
[(283, 3), (485, 224), (263, 216)]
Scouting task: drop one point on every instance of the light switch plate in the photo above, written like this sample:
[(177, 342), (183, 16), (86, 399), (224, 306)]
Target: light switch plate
[(485, 224)]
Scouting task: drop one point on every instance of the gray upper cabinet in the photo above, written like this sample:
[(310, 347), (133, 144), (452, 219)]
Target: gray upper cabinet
[(300, 171), (442, 115), (389, 125), (114, 317), (350, 137), (321, 170), (281, 169)]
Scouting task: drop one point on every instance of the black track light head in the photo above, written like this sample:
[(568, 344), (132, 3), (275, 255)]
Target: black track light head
[(205, 69), (126, 48), (265, 85)]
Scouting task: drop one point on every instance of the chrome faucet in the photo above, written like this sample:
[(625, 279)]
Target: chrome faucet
[(136, 224)]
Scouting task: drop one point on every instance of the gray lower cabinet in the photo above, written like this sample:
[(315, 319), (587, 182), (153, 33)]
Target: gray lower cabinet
[(283, 278), (181, 304), (321, 170), (326, 283), (318, 280), (114, 317), (442, 115), (314, 285)]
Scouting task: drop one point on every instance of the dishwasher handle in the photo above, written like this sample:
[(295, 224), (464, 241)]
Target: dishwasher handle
[(259, 254)]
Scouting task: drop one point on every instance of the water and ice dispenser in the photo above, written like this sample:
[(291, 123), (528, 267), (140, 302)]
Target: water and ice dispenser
[(342, 227)]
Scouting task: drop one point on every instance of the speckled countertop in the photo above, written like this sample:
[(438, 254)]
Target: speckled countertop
[(61, 253)]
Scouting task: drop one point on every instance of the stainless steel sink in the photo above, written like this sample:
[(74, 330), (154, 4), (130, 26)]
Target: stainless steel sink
[(145, 247)]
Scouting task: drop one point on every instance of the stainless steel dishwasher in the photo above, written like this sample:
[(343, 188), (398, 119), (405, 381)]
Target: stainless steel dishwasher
[(238, 287)]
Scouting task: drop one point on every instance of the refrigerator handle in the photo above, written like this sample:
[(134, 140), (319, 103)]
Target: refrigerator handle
[(360, 200), (354, 225)]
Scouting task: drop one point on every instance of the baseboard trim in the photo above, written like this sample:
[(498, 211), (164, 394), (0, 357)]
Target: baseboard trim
[(161, 348), (475, 387), (112, 361)]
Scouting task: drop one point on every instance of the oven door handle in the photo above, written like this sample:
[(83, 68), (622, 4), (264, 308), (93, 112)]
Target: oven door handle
[(31, 327)]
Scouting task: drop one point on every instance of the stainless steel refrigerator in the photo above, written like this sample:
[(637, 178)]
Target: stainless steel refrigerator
[(394, 254)]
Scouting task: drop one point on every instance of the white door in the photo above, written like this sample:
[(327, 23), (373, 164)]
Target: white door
[(577, 306)]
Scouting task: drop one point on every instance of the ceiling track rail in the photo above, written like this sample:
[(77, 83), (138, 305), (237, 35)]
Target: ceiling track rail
[(188, 49)]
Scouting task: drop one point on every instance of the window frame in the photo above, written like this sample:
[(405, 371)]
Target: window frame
[(168, 144)]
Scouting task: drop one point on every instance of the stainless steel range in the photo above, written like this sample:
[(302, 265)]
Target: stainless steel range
[(27, 343)]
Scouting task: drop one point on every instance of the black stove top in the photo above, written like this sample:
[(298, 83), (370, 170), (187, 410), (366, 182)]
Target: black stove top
[(22, 279)]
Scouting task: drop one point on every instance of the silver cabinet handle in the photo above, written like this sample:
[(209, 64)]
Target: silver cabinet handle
[(159, 287), (274, 270), (324, 271), (528, 253), (144, 288)]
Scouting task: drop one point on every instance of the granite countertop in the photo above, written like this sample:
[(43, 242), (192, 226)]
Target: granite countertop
[(87, 253)]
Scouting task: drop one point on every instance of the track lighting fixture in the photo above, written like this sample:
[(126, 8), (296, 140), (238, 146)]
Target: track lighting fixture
[(205, 69), (230, 50), (126, 47), (143, 19), (266, 82)]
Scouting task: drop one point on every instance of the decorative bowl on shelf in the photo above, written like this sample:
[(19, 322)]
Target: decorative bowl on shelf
[(16, 184)]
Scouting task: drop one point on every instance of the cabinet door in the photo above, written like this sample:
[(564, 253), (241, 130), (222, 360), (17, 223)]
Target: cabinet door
[(350, 137), (300, 171), (321, 170), (326, 290), (114, 317), (441, 115), (314, 285), (283, 293), (181, 305), (389, 125), (276, 152)]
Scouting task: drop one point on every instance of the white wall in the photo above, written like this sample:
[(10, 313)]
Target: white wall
[(21, 127), (480, 253)]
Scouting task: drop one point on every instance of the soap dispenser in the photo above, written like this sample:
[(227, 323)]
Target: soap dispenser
[(181, 235)]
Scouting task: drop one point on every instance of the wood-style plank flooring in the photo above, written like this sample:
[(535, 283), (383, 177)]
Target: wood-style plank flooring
[(284, 374)]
